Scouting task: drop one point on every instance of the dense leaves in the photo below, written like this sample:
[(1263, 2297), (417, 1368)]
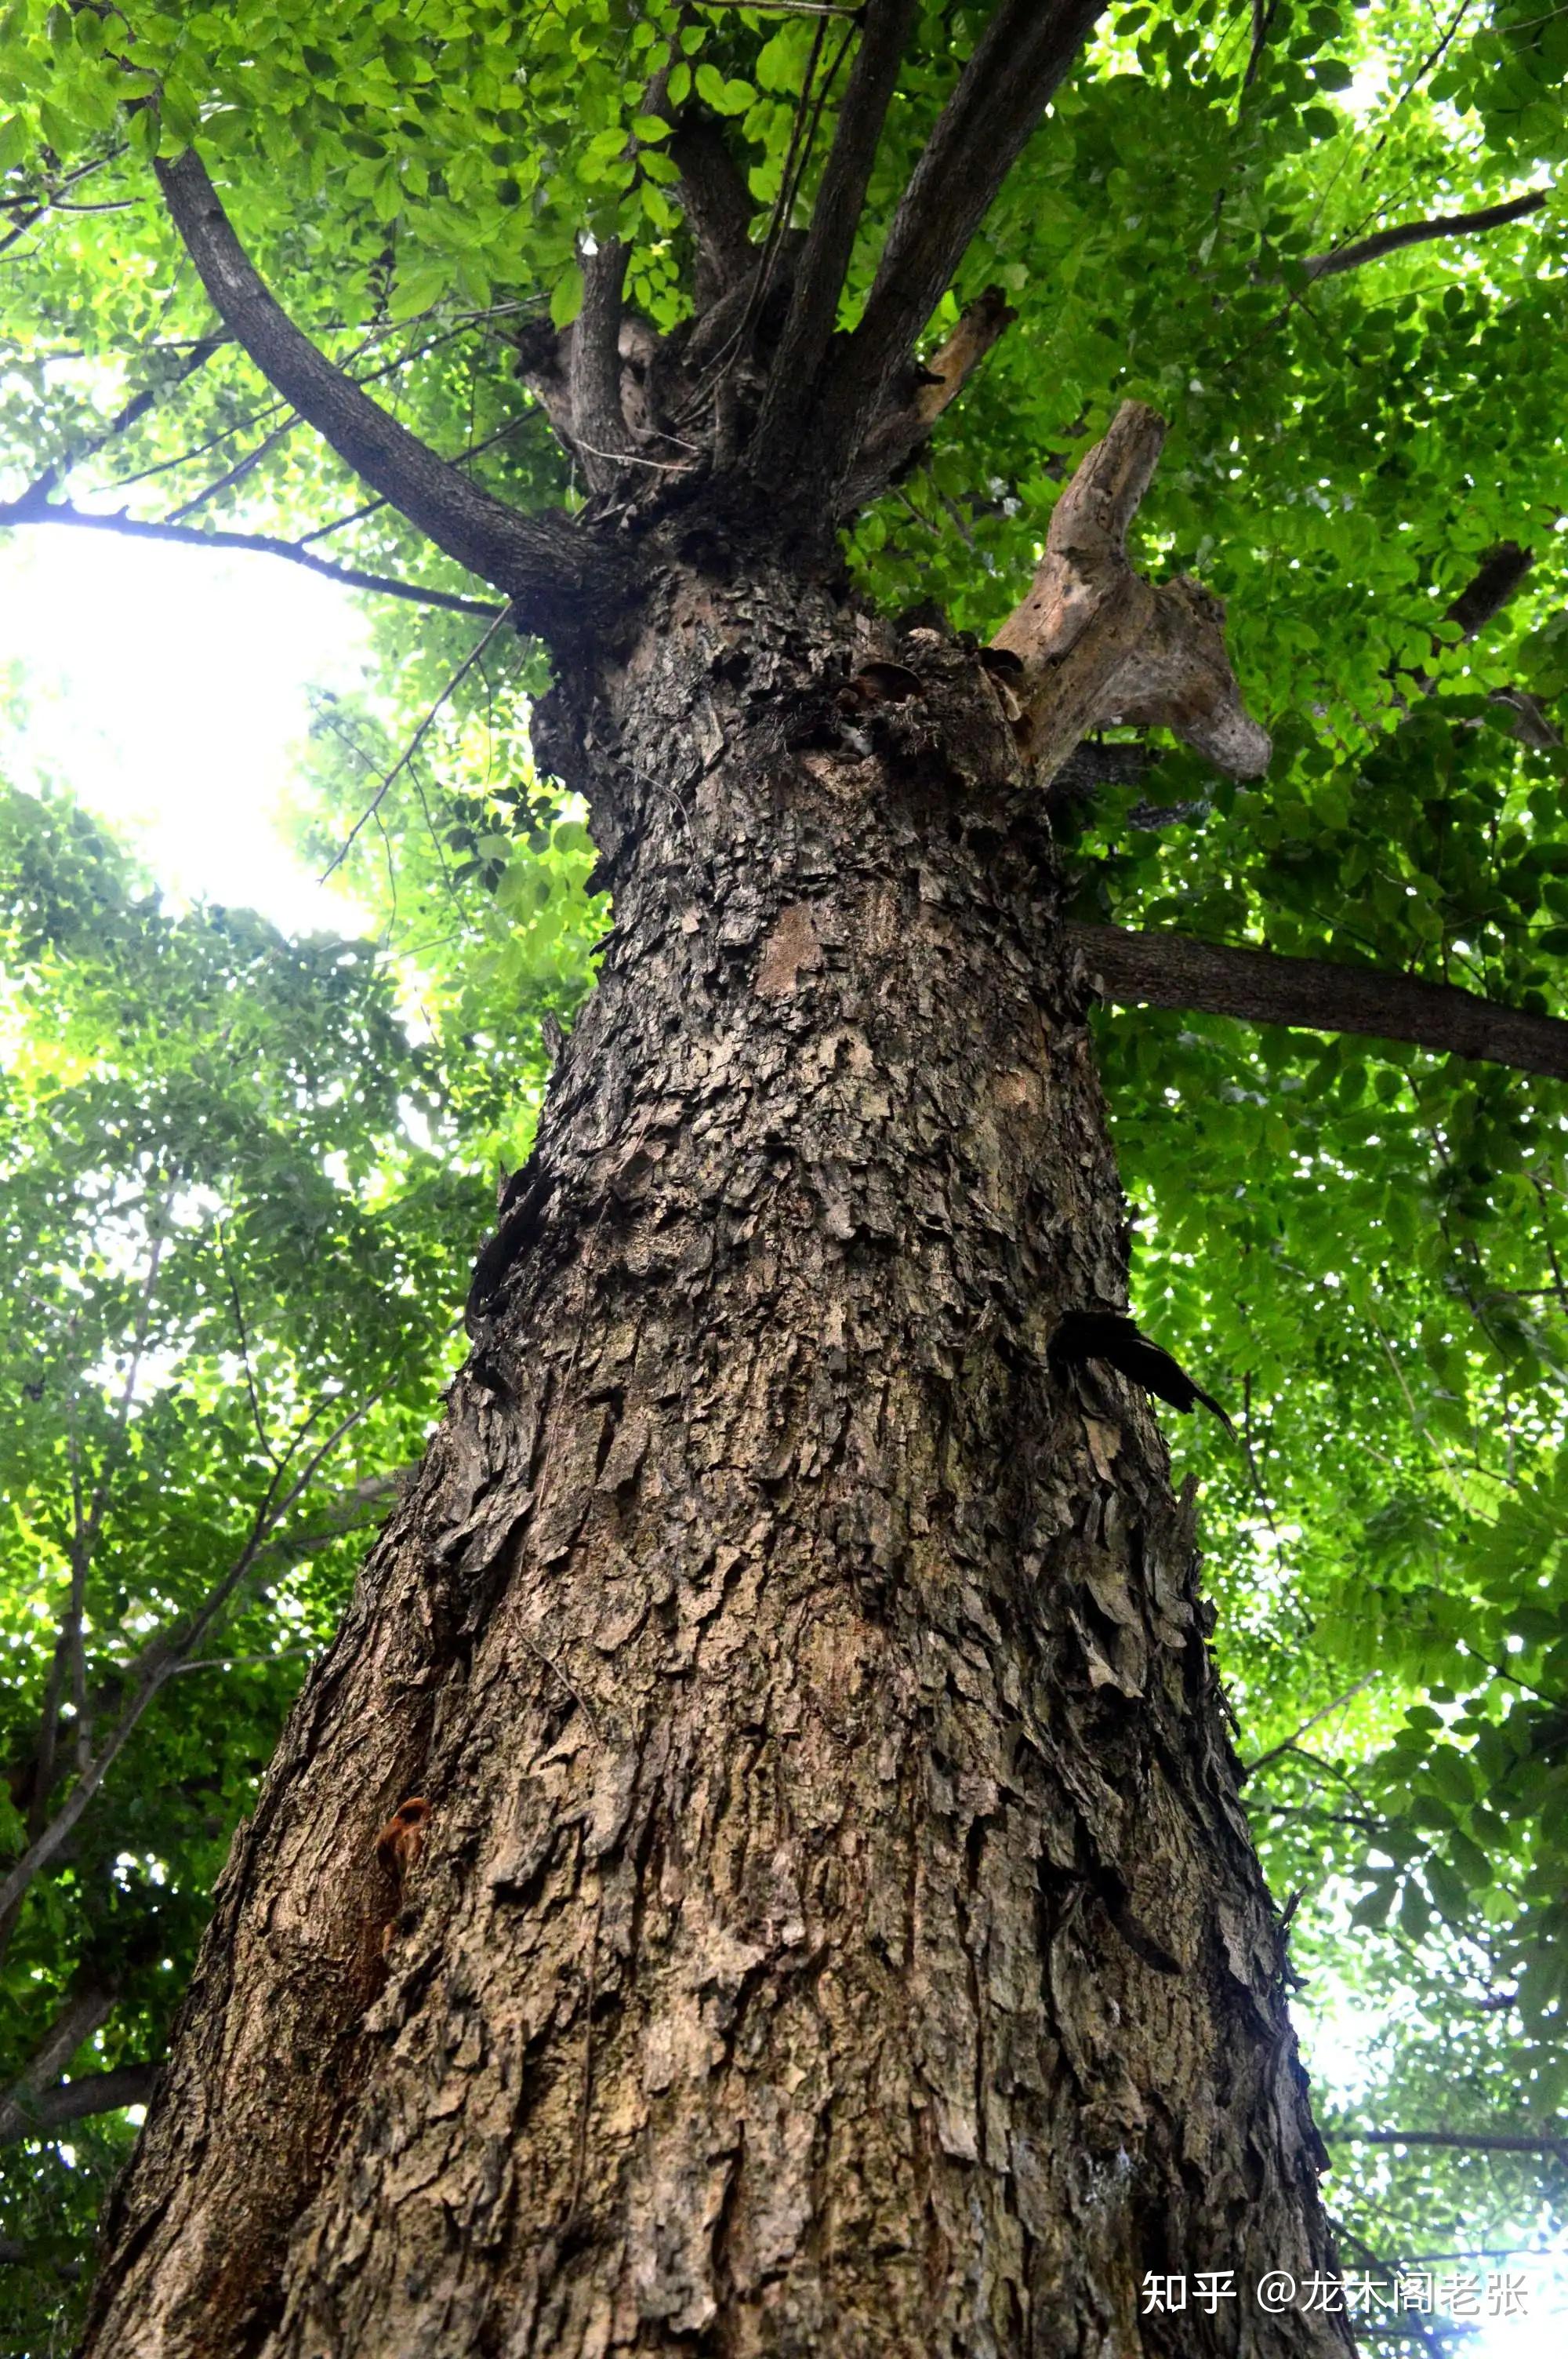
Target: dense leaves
[(1359, 1247), (234, 1281)]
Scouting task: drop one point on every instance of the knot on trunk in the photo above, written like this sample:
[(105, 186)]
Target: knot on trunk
[(1096, 643)]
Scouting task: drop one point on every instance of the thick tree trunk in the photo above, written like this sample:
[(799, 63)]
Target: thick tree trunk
[(834, 1928)]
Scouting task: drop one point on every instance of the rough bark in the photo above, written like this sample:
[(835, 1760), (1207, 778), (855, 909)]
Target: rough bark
[(834, 1927)]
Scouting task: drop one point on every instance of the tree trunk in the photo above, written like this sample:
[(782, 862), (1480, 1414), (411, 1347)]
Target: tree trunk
[(834, 1928)]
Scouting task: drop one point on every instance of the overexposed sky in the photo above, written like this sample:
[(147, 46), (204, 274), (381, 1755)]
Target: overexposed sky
[(166, 686)]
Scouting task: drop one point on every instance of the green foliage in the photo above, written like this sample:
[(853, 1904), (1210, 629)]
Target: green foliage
[(227, 1248), (1360, 1246)]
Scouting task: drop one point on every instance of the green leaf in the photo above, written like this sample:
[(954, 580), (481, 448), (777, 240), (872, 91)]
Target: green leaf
[(565, 296), (725, 97)]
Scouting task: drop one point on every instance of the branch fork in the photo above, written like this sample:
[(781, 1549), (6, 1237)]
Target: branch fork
[(1096, 643)]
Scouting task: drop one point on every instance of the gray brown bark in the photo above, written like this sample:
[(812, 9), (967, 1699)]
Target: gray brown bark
[(835, 1928)]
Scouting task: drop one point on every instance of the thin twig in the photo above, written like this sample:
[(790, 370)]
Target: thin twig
[(1290, 1744), (160, 1662), (352, 577), (414, 745), (256, 1418)]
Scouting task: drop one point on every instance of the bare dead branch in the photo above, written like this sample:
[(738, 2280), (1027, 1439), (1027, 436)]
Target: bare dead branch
[(1026, 50), (1094, 643), (1168, 970), (404, 759), (237, 1304), (69, 1658), (352, 577), (896, 436), (135, 409), (246, 464), (1421, 233), (558, 581), (1251, 1769), (1464, 2141), (34, 211), (886, 27)]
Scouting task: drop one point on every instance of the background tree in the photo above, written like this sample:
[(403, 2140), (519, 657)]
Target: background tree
[(1311, 331)]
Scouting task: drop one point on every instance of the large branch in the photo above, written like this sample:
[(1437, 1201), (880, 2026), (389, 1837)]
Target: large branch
[(1027, 50), (1420, 232), (82, 2013), (556, 580), (1262, 987), (1496, 582), (885, 29), (593, 370)]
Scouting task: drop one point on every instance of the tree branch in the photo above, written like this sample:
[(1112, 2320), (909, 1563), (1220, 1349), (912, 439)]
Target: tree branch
[(593, 369), (1026, 50), (1251, 1769), (716, 202), (558, 581), (1166, 970), (1465, 2141), (1500, 577), (159, 1661), (409, 751), (886, 25), (75, 2101), (1495, 582), (1262, 18), (84, 2009), (900, 432), (1420, 232), (135, 409), (352, 577)]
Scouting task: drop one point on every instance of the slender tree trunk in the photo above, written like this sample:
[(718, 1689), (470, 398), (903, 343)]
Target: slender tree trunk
[(835, 1929)]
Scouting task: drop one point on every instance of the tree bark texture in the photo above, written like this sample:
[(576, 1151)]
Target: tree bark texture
[(834, 1927)]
